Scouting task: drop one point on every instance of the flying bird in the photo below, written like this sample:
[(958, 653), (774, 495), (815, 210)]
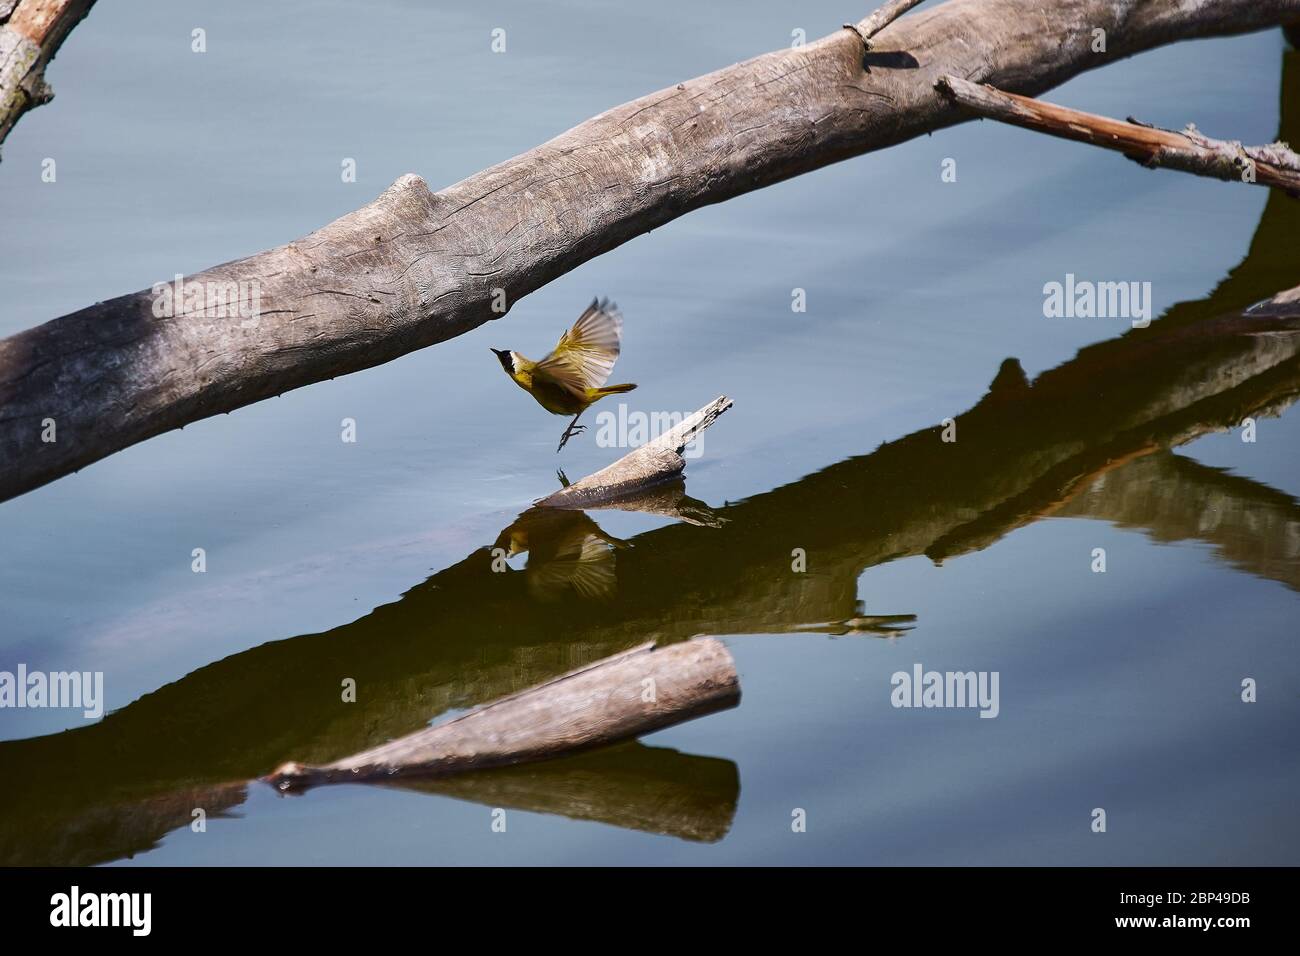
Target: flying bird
[(572, 377)]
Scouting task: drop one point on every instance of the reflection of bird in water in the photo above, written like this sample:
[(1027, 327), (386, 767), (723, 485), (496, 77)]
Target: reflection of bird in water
[(567, 551)]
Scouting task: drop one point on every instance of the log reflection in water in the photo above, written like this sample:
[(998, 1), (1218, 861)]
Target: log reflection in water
[(468, 635), (652, 789)]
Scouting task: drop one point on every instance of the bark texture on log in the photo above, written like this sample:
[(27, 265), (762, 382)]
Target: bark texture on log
[(416, 267), (602, 703), (880, 18), (31, 32), (1274, 165), (641, 469)]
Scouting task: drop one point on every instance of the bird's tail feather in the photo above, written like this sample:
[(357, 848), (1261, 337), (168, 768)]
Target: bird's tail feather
[(614, 389)]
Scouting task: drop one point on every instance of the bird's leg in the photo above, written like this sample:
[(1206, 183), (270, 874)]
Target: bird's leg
[(564, 479), (572, 430)]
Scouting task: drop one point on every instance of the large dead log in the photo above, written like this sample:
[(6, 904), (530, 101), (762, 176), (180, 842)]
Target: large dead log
[(417, 267), (638, 691)]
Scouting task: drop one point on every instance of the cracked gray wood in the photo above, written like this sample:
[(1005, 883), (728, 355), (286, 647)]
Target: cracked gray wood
[(638, 691), (417, 267)]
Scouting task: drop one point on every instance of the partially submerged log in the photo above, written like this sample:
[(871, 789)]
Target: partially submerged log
[(417, 267), (1274, 164), (638, 691), (654, 463), (31, 32)]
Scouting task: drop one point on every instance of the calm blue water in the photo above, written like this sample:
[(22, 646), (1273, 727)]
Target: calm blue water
[(1118, 690)]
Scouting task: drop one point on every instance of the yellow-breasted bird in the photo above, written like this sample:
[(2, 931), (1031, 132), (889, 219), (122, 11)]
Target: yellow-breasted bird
[(572, 378)]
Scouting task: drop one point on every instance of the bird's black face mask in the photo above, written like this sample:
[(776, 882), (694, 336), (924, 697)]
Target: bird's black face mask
[(506, 361)]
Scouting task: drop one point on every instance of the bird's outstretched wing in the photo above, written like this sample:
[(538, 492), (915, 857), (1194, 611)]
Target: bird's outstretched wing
[(585, 564), (585, 355)]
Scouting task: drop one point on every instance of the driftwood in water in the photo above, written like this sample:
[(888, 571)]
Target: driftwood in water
[(416, 267), (31, 32), (1274, 165), (638, 691), (71, 798), (653, 463), (468, 634)]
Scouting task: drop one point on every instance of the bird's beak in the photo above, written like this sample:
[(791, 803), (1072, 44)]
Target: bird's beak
[(499, 353)]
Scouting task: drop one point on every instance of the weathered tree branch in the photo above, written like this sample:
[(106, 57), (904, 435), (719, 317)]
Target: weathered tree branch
[(880, 18), (638, 691), (654, 463), (31, 32), (416, 267), (1274, 165)]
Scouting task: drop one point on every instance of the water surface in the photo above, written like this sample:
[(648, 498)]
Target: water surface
[(371, 560)]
